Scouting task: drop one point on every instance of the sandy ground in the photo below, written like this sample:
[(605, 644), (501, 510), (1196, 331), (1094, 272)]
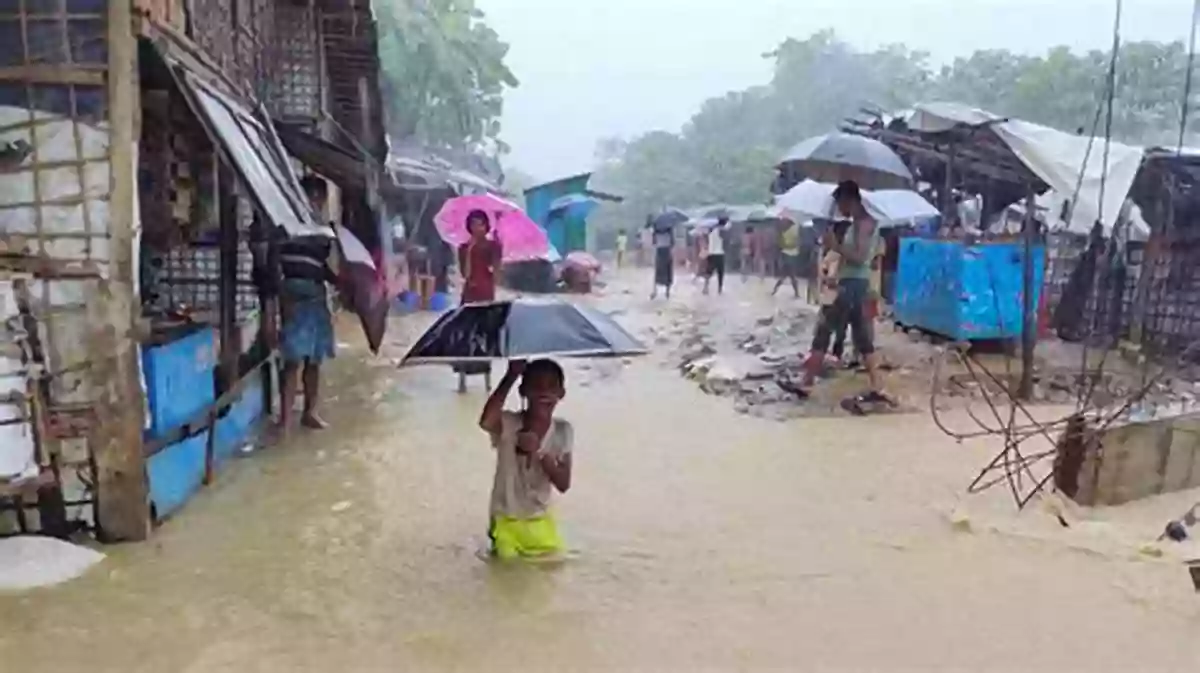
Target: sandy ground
[(702, 539)]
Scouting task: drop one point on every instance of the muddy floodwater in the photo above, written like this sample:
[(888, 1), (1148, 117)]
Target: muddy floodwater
[(702, 539)]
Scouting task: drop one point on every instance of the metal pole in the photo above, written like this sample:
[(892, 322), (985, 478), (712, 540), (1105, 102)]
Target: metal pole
[(1028, 307), (947, 199), (1187, 81)]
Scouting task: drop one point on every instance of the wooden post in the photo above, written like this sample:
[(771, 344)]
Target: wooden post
[(227, 213), (1028, 306), (122, 492), (949, 211), (1159, 236)]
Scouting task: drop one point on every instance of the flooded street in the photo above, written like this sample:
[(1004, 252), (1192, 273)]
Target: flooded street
[(701, 538)]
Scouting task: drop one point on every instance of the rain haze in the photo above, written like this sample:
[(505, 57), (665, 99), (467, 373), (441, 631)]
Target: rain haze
[(622, 67)]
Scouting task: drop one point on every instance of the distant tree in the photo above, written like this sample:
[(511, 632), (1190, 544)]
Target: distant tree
[(727, 151), (516, 181), (444, 74)]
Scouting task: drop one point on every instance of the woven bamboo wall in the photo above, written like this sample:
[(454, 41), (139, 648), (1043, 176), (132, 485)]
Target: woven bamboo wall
[(54, 147), (299, 81)]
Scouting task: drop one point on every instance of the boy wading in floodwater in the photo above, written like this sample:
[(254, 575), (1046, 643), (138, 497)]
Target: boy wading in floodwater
[(533, 459)]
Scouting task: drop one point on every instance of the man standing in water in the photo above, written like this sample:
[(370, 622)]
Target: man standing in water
[(854, 283), (664, 258), (789, 258), (714, 254), (307, 334), (749, 252)]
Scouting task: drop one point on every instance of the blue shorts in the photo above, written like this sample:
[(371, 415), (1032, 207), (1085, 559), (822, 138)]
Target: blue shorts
[(307, 334)]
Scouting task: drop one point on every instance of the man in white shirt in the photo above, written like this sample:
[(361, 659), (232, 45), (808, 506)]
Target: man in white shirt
[(714, 256)]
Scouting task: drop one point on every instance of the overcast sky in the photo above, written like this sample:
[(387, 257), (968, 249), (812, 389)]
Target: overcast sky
[(590, 69)]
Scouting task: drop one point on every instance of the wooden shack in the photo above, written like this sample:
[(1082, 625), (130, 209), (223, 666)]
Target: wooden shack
[(141, 167)]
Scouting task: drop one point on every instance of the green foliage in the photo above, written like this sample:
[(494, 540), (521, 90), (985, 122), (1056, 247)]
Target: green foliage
[(443, 73), (726, 153)]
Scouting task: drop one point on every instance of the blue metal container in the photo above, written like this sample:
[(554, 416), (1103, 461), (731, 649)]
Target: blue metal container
[(176, 473), (962, 291), (179, 378)]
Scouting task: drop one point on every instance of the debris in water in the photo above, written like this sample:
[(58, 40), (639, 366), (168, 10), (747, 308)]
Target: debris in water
[(1150, 550), (1176, 531), (960, 522), (341, 506)]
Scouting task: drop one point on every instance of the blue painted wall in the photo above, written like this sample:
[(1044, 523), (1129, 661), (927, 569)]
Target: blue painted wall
[(565, 234), (964, 292), (179, 379), (176, 473), (240, 423)]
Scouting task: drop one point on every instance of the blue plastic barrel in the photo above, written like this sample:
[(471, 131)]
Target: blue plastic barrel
[(440, 301), (408, 300)]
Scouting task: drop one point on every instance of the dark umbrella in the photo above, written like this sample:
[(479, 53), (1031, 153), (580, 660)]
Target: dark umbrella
[(522, 329), (669, 218), (364, 287), (834, 157)]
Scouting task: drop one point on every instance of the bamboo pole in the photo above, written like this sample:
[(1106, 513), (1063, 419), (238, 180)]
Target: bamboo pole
[(1028, 307), (123, 504)]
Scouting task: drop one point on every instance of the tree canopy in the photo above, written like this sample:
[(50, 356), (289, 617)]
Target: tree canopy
[(444, 74), (727, 151)]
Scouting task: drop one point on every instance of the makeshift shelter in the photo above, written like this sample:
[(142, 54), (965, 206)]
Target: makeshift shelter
[(567, 229), (1070, 165), (144, 172), (956, 150), (566, 233)]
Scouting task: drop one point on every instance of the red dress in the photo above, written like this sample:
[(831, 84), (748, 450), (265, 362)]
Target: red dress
[(479, 263)]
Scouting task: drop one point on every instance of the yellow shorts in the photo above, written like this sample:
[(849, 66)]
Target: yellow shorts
[(525, 538)]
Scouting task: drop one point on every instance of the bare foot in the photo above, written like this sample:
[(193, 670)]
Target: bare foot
[(275, 433), (313, 422)]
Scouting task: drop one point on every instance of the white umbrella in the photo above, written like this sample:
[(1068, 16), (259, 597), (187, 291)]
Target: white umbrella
[(888, 206)]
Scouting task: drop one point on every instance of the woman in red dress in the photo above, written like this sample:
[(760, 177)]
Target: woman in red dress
[(478, 262)]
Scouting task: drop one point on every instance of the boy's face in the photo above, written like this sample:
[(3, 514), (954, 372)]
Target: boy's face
[(543, 391)]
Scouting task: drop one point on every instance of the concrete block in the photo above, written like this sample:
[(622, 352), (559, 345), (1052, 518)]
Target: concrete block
[(1129, 459)]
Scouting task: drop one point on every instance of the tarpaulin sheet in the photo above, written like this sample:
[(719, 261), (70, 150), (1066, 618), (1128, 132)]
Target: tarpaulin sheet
[(1064, 161)]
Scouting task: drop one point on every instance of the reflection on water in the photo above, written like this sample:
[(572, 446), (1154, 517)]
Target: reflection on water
[(700, 539)]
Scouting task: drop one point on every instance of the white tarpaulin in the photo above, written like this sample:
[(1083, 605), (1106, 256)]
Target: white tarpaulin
[(1054, 156)]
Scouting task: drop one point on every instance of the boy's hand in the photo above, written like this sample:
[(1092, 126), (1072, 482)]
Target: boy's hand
[(527, 443), (516, 367)]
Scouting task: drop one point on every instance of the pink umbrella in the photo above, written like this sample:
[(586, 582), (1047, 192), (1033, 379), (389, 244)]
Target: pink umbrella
[(521, 239)]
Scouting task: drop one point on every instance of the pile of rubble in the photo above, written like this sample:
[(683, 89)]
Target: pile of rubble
[(727, 359), (746, 364)]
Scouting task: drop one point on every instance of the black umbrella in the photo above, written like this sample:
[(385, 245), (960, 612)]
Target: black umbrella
[(838, 156), (523, 329), (668, 219)]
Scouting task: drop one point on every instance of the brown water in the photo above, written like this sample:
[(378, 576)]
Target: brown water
[(701, 540)]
